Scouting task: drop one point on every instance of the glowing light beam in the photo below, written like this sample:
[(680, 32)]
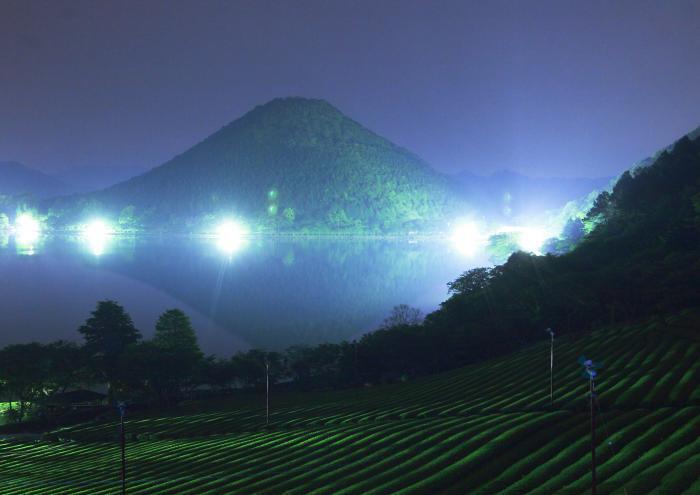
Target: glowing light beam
[(96, 235), (27, 226), (27, 231), (467, 238), (230, 236), (531, 239)]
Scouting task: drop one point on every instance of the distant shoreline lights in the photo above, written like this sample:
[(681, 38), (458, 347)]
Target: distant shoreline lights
[(468, 238), (96, 235), (231, 236), (27, 231), (529, 238)]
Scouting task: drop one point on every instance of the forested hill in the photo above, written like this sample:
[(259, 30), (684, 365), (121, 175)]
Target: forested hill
[(639, 261), (18, 180), (291, 164)]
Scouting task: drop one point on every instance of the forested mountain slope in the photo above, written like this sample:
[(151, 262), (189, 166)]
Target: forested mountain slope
[(293, 164), (640, 259)]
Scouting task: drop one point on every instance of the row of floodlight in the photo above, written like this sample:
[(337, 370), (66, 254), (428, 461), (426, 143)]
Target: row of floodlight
[(230, 234), (468, 238)]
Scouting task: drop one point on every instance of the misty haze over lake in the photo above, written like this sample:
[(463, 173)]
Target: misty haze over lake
[(267, 292)]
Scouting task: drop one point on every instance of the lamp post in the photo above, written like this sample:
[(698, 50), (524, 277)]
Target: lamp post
[(551, 366), (592, 373), (267, 392), (122, 440)]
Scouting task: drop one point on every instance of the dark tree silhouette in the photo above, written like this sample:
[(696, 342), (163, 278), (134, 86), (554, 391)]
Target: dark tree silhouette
[(179, 354), (174, 333), (108, 333), (470, 281), (24, 373), (403, 314)]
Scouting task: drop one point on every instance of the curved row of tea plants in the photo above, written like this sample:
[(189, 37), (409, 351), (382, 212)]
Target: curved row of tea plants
[(642, 367), (539, 452), (482, 429)]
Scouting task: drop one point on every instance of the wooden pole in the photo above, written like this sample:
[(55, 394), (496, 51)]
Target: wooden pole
[(551, 371), (551, 366), (122, 441), (267, 393), (594, 487)]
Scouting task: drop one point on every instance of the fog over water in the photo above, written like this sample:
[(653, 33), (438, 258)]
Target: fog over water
[(263, 292)]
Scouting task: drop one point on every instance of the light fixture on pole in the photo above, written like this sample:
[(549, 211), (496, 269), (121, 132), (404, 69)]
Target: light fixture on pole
[(121, 405), (591, 373)]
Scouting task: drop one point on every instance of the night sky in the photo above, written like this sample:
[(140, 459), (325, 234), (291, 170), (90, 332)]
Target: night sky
[(557, 88)]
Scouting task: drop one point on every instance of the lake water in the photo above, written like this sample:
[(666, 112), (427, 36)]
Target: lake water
[(262, 292)]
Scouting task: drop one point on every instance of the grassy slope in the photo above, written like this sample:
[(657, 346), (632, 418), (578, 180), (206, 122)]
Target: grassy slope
[(482, 429)]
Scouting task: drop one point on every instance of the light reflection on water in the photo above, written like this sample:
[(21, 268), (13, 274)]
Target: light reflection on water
[(261, 292)]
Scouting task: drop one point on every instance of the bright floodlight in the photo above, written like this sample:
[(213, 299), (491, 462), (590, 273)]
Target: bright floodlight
[(467, 238), (27, 230), (530, 239), (230, 236), (26, 224), (97, 228), (96, 234)]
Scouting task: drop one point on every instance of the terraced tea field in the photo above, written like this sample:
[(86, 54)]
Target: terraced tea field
[(482, 429)]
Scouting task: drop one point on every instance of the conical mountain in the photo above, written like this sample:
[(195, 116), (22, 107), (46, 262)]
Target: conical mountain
[(292, 164)]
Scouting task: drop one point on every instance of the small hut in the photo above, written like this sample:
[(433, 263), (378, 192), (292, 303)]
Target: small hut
[(76, 400)]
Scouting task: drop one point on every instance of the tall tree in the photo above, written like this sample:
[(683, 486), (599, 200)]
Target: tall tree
[(403, 314), (249, 367), (179, 355), (68, 364), (174, 332), (470, 281), (108, 333), (24, 371)]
